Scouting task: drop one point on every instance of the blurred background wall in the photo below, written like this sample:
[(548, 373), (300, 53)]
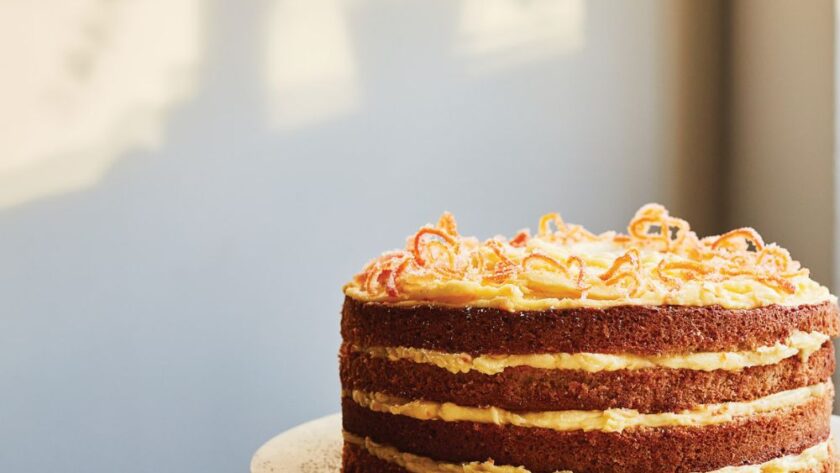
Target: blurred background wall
[(185, 186), (781, 140)]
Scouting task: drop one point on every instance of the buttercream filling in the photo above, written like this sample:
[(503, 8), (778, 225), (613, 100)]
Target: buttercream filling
[(418, 464), (799, 343), (610, 420), (807, 460)]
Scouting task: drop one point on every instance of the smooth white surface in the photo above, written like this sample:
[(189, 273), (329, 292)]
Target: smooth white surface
[(315, 447)]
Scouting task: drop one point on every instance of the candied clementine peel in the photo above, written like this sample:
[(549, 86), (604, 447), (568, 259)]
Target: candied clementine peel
[(560, 258)]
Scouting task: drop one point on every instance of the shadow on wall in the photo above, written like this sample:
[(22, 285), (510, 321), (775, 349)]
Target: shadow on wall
[(183, 307)]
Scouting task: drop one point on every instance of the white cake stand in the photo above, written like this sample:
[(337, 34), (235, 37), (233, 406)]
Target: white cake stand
[(315, 447)]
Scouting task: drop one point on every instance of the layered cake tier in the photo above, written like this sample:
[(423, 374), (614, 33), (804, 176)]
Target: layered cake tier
[(567, 351)]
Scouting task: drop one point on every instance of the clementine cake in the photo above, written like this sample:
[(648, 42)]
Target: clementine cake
[(566, 351)]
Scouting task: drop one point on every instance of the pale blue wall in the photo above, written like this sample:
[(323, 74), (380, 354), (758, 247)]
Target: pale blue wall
[(183, 308)]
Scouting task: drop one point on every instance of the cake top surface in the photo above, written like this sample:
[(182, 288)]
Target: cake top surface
[(660, 261)]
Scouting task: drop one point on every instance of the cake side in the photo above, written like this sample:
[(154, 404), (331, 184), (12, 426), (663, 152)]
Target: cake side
[(364, 456), (535, 389), (647, 330), (626, 411), (749, 440), (707, 355)]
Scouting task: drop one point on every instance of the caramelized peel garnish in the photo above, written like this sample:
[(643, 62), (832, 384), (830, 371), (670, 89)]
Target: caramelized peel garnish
[(418, 240), (630, 258), (545, 224), (653, 224), (731, 238), (674, 256), (544, 258), (520, 239)]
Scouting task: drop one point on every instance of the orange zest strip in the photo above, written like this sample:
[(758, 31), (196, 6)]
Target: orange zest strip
[(448, 224), (738, 271), (392, 279), (374, 269), (546, 220), (779, 257), (690, 266), (496, 247), (564, 268), (622, 239), (746, 233), (448, 273), (632, 276), (682, 230), (501, 274), (520, 239), (581, 270), (653, 214), (631, 257), (638, 228), (367, 277), (693, 269), (778, 282), (442, 248), (659, 271), (440, 253), (418, 239), (545, 258)]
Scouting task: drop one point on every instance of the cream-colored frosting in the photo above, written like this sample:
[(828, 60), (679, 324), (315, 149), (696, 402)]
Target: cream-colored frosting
[(610, 420), (418, 464), (570, 267), (732, 294), (799, 343), (809, 459)]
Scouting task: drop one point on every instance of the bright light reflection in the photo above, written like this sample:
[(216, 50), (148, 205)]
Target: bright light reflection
[(84, 81), (310, 69), (501, 33)]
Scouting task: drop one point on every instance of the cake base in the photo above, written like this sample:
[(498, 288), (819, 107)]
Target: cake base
[(316, 447)]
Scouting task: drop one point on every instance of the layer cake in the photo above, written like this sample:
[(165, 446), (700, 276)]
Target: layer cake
[(566, 351)]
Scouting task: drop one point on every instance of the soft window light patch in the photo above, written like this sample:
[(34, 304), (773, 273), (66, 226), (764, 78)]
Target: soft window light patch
[(96, 85)]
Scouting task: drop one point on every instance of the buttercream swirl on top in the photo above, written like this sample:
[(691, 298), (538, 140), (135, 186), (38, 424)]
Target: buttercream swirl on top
[(660, 261)]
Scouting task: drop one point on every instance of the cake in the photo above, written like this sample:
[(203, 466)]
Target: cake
[(566, 351)]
